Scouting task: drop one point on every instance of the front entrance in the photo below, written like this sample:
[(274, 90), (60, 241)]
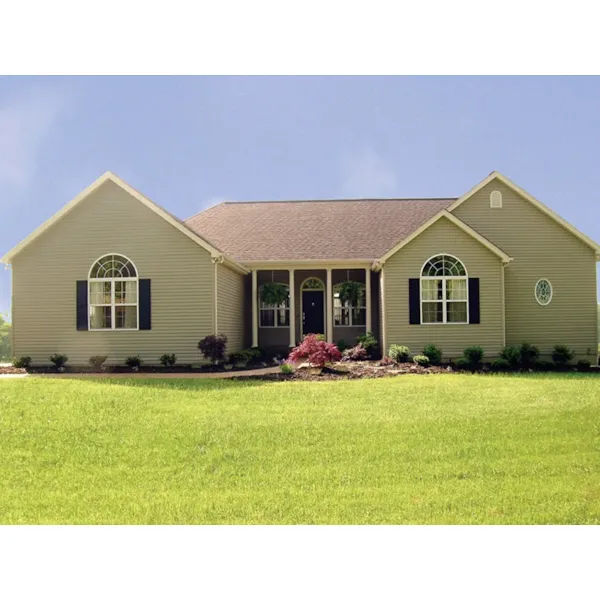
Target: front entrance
[(313, 311)]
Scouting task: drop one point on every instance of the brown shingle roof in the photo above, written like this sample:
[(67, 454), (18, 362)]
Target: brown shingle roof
[(312, 229)]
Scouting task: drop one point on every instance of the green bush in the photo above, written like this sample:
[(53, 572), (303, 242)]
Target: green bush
[(59, 360), (96, 362), (133, 362), (399, 353), (369, 343), (168, 360), (501, 365), (421, 360), (474, 355), (562, 355), (463, 364), (584, 365), (543, 365), (342, 345), (286, 368), (433, 353), (24, 362), (512, 355), (529, 355)]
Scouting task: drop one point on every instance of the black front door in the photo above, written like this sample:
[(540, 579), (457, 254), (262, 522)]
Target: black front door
[(313, 319)]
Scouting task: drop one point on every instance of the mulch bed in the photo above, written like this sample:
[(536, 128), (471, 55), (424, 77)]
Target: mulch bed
[(348, 370), (142, 369)]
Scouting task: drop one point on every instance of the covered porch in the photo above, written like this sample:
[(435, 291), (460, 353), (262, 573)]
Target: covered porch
[(336, 300)]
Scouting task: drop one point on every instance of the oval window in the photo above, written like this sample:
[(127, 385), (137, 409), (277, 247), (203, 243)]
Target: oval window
[(543, 292)]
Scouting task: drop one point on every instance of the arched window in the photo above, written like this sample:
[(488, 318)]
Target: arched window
[(274, 316), (349, 308), (444, 290), (113, 293)]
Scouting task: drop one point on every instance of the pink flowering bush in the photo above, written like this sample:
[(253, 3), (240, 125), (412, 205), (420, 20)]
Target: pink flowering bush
[(317, 352)]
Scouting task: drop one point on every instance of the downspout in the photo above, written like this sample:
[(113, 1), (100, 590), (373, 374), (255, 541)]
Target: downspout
[(217, 260)]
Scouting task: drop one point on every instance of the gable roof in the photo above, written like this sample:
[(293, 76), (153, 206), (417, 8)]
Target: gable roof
[(444, 214), (161, 212), (495, 175), (361, 230)]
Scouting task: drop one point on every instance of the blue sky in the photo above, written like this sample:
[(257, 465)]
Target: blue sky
[(188, 143)]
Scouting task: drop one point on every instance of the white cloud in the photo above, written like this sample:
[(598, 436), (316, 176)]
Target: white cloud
[(367, 174), (25, 122)]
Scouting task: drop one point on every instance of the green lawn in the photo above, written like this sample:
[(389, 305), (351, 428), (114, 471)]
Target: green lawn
[(410, 449)]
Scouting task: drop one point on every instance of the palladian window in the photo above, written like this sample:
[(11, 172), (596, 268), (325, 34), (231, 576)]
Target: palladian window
[(444, 291), (113, 294)]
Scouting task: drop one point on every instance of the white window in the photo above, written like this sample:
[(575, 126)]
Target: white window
[(444, 291), (496, 199), (543, 292), (346, 313), (274, 316), (113, 294)]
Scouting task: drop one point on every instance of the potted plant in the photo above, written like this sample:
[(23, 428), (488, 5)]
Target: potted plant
[(274, 294)]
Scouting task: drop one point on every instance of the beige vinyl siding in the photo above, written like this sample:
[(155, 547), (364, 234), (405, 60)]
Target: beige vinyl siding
[(230, 307), (443, 237), (541, 248), (111, 221)]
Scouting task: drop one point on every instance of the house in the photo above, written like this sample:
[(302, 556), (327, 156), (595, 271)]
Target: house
[(112, 273)]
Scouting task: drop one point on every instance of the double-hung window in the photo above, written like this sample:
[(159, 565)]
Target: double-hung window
[(444, 291)]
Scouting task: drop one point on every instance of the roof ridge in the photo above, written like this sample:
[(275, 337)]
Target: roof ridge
[(334, 200)]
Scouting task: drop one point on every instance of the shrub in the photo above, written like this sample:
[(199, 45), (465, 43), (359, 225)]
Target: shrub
[(543, 365), (358, 352), (474, 356), (399, 353), (501, 364), (512, 355), (369, 343), (286, 368), (463, 364), (342, 345), (316, 351), (433, 353), (421, 360), (168, 360), (96, 362), (237, 357), (213, 348), (134, 362), (59, 360), (24, 362), (529, 355), (387, 361), (562, 355), (584, 365)]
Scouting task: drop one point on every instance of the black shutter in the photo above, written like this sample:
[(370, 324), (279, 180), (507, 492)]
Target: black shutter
[(82, 305), (145, 304), (474, 301), (414, 302)]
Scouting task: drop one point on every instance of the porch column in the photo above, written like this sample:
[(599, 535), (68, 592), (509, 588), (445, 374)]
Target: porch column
[(329, 292), (368, 298), (292, 289), (254, 308)]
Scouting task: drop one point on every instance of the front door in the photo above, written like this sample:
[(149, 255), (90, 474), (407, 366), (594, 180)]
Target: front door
[(313, 318)]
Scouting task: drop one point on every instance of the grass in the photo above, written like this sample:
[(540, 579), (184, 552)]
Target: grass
[(410, 449)]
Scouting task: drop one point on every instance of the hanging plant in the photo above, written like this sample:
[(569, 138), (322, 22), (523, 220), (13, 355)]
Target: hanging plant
[(274, 294), (351, 292)]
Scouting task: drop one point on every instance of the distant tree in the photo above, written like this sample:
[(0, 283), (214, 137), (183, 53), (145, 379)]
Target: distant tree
[(5, 339)]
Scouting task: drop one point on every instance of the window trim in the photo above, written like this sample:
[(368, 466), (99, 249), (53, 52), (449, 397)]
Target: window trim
[(262, 309), (350, 308), (113, 305), (551, 291), (444, 300)]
